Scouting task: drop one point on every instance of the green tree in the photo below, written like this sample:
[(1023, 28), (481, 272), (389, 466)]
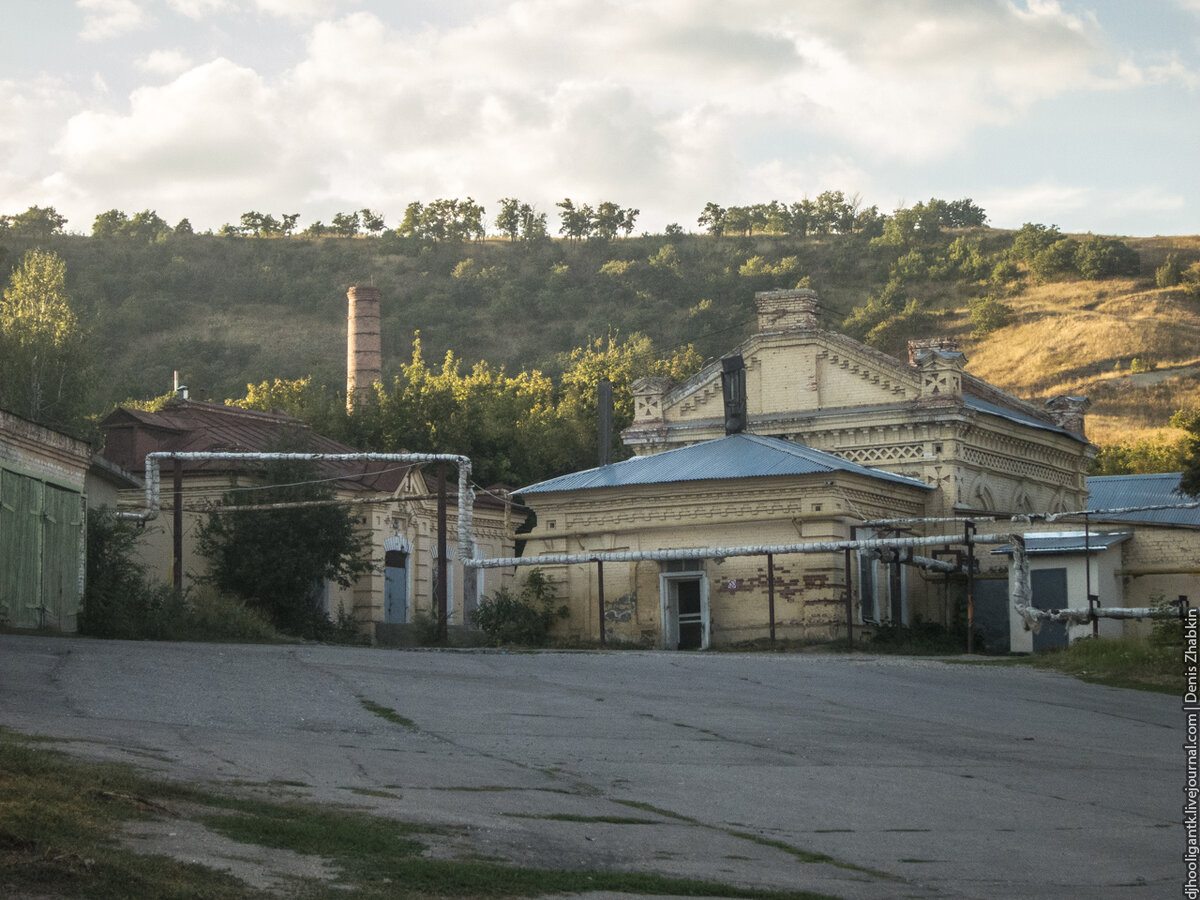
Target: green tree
[(278, 560), (1189, 421), (37, 223), (964, 214), (346, 224), (577, 222), (109, 224), (372, 221), (533, 224), (508, 220), (1032, 238), (42, 367), (146, 226), (712, 219), (410, 225)]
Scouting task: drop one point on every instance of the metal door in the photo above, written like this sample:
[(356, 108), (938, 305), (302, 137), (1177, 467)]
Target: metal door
[(395, 586), (1049, 588)]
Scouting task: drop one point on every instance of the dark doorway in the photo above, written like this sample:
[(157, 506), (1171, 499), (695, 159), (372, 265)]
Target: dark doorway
[(691, 619)]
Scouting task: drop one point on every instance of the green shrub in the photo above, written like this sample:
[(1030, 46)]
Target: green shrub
[(117, 599), (119, 602), (921, 638), (1170, 273), (1190, 279), (523, 618), (213, 616), (987, 314), (1056, 260), (1101, 257)]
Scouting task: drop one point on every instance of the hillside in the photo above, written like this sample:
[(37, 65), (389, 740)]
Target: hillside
[(228, 311), (1079, 337)]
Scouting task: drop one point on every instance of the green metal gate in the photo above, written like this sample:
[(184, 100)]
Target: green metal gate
[(41, 552)]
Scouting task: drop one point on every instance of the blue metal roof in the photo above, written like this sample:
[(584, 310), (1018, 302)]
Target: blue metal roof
[(733, 456), (1124, 491), (1013, 415), (1069, 542)]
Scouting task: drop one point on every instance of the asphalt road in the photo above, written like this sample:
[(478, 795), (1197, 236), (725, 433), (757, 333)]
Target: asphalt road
[(953, 781)]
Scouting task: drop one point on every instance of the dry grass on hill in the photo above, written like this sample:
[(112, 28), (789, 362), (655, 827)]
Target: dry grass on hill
[(1079, 338)]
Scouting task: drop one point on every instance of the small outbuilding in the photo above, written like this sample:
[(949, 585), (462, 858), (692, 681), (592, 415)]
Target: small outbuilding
[(42, 524)]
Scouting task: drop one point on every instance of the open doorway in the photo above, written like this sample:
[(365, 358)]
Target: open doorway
[(685, 622)]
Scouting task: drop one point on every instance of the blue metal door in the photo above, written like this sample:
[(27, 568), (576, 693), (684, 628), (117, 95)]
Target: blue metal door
[(395, 586)]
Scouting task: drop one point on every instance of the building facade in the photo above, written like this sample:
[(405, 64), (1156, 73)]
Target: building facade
[(395, 505), (929, 440)]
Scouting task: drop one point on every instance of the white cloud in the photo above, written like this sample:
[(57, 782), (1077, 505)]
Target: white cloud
[(104, 19), (662, 95), (662, 105), (300, 10), (198, 9), (29, 111), (206, 144), (165, 62), (1042, 202)]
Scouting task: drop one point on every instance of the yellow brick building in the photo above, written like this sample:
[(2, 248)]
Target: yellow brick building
[(901, 439)]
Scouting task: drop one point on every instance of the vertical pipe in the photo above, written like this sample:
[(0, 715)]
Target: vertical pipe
[(440, 593), (850, 594), (177, 527), (604, 418), (600, 589), (968, 534), (771, 595), (1087, 575)]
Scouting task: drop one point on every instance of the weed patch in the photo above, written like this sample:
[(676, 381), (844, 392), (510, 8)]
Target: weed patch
[(1132, 663), (388, 714)]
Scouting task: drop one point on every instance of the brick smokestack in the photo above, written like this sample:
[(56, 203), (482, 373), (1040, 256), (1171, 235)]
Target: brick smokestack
[(364, 347)]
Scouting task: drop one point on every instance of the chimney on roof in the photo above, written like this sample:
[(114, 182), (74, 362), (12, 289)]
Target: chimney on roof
[(733, 389), (364, 347), (921, 346), (1069, 412), (787, 310)]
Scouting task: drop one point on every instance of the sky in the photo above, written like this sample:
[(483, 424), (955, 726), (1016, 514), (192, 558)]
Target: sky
[(1077, 113)]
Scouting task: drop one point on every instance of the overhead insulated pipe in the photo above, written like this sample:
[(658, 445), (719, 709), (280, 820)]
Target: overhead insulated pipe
[(567, 559)]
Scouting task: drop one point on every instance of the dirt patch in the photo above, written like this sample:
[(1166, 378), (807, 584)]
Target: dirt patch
[(263, 868)]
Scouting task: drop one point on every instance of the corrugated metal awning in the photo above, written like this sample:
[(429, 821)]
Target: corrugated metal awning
[(1069, 542)]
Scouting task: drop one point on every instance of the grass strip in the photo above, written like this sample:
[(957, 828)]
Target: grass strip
[(60, 822)]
